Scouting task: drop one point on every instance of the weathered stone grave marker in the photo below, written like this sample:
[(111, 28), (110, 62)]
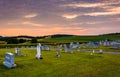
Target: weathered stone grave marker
[(115, 45), (57, 51), (71, 47), (78, 46), (17, 51), (65, 48), (100, 51), (9, 60)]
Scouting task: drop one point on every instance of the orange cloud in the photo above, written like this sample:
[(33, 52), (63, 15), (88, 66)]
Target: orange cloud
[(30, 15), (91, 5), (32, 24), (85, 5), (41, 31), (109, 11), (70, 16)]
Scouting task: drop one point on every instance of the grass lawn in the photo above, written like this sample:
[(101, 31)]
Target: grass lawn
[(78, 64)]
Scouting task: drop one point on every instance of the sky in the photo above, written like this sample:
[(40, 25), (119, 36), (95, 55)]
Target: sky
[(47, 17)]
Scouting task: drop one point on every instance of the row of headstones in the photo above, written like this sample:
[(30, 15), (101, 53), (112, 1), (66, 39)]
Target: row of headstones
[(69, 47), (9, 57), (113, 44)]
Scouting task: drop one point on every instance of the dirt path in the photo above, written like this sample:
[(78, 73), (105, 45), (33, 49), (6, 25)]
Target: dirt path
[(111, 52)]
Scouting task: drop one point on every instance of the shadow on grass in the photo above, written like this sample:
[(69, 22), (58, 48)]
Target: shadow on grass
[(94, 56)]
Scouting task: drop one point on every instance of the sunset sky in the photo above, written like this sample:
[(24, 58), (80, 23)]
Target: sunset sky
[(47, 17)]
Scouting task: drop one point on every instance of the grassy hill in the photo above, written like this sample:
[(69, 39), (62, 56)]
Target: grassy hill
[(65, 39), (58, 38)]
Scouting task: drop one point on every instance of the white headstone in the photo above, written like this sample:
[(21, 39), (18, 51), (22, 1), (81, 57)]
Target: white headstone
[(38, 55), (16, 50), (100, 51), (93, 51)]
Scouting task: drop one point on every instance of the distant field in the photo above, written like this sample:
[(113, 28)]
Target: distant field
[(78, 64), (66, 39)]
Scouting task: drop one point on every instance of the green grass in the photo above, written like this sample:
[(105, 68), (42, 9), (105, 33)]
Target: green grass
[(78, 64)]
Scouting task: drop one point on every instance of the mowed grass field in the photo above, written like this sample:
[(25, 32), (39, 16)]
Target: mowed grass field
[(78, 64)]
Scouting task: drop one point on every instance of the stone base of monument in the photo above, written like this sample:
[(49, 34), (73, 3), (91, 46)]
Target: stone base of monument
[(39, 57), (9, 65), (58, 55)]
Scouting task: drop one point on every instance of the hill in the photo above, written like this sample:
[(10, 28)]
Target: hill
[(60, 38), (74, 38)]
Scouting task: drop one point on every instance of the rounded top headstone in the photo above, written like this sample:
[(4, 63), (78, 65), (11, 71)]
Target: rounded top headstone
[(39, 44)]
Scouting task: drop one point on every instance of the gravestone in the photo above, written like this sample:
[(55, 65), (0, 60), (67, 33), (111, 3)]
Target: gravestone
[(96, 45), (78, 46), (47, 47), (92, 52), (17, 52), (88, 45), (58, 54), (100, 43), (100, 51), (65, 48), (115, 45), (57, 51), (38, 55), (9, 60), (106, 43), (71, 47)]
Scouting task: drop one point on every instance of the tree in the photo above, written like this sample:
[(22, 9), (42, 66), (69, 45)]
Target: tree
[(34, 40), (12, 41), (22, 40)]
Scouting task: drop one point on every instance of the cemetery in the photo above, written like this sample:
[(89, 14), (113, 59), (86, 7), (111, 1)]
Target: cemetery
[(73, 59), (59, 38)]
